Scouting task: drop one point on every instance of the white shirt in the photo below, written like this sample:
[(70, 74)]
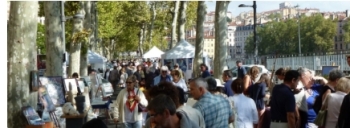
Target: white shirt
[(333, 108), (247, 114), (182, 84)]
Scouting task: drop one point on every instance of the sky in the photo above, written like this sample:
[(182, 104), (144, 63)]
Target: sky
[(324, 6)]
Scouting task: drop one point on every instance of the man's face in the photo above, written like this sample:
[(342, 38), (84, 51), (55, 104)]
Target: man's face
[(164, 72), (159, 120), (295, 83), (202, 68), (239, 64), (224, 77), (306, 79), (195, 91), (348, 59)]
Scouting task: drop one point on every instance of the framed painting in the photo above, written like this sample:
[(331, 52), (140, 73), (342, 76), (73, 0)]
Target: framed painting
[(72, 82), (327, 69), (182, 64), (32, 116), (55, 88), (107, 89), (34, 81), (81, 85), (189, 60)]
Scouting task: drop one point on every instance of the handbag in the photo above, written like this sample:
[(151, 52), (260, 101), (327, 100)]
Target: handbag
[(321, 118), (141, 108)]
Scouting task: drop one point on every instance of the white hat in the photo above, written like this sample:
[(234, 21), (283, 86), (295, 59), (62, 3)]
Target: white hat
[(164, 68)]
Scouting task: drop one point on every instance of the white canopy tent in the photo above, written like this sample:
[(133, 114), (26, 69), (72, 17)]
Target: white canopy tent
[(154, 52), (94, 58), (183, 49)]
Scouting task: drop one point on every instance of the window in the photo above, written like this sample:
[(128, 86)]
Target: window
[(335, 39), (340, 31), (341, 46)]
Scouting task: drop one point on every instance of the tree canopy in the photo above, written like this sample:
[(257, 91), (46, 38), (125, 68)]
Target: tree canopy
[(346, 28), (317, 35)]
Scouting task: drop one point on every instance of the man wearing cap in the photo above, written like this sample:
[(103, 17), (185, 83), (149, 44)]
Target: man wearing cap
[(176, 67), (164, 76)]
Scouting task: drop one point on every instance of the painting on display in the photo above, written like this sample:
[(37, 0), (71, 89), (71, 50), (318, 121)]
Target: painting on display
[(327, 69), (182, 64), (81, 85), (46, 101), (55, 88), (190, 63), (107, 89), (72, 82), (169, 63), (32, 116), (34, 80)]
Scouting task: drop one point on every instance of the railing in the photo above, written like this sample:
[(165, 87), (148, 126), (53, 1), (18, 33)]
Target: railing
[(313, 61)]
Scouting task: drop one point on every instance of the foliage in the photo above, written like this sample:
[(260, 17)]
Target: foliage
[(191, 14), (346, 29), (40, 40), (83, 38), (317, 35)]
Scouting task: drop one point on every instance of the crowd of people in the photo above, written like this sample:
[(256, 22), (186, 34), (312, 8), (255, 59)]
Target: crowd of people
[(155, 96)]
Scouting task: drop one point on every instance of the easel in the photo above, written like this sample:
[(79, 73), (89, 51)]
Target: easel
[(55, 119)]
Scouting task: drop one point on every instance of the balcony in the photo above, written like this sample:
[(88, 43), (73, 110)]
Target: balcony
[(238, 46), (238, 53)]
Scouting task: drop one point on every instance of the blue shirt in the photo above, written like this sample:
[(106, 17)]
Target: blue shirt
[(311, 101), (241, 72), (205, 74), (216, 110), (282, 101), (227, 89), (257, 93)]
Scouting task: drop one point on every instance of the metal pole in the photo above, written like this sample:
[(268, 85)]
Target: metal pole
[(299, 32), (64, 75), (255, 42)]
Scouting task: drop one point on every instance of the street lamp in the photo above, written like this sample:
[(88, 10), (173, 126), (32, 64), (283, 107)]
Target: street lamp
[(298, 29), (63, 20), (254, 24)]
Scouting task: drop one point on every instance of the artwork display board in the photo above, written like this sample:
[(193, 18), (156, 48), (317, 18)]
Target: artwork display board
[(327, 69), (81, 85), (55, 88), (72, 82), (182, 64), (32, 116), (34, 81), (107, 89), (190, 63)]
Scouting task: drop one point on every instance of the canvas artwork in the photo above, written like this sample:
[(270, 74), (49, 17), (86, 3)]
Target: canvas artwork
[(32, 116), (46, 116), (86, 80), (73, 82), (81, 85), (54, 88), (182, 64), (34, 80), (327, 69), (190, 63), (47, 102), (107, 89)]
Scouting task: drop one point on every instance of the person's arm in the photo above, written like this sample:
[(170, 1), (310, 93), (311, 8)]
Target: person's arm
[(326, 94), (143, 101), (232, 117), (244, 71), (255, 115), (116, 105), (262, 91), (290, 106), (297, 115), (246, 81)]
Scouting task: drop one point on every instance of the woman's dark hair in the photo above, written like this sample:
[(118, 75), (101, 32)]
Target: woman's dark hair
[(206, 67), (166, 88), (237, 86), (75, 75), (282, 71)]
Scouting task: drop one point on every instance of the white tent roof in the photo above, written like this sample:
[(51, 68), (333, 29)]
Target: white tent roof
[(95, 58), (183, 49), (154, 52)]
